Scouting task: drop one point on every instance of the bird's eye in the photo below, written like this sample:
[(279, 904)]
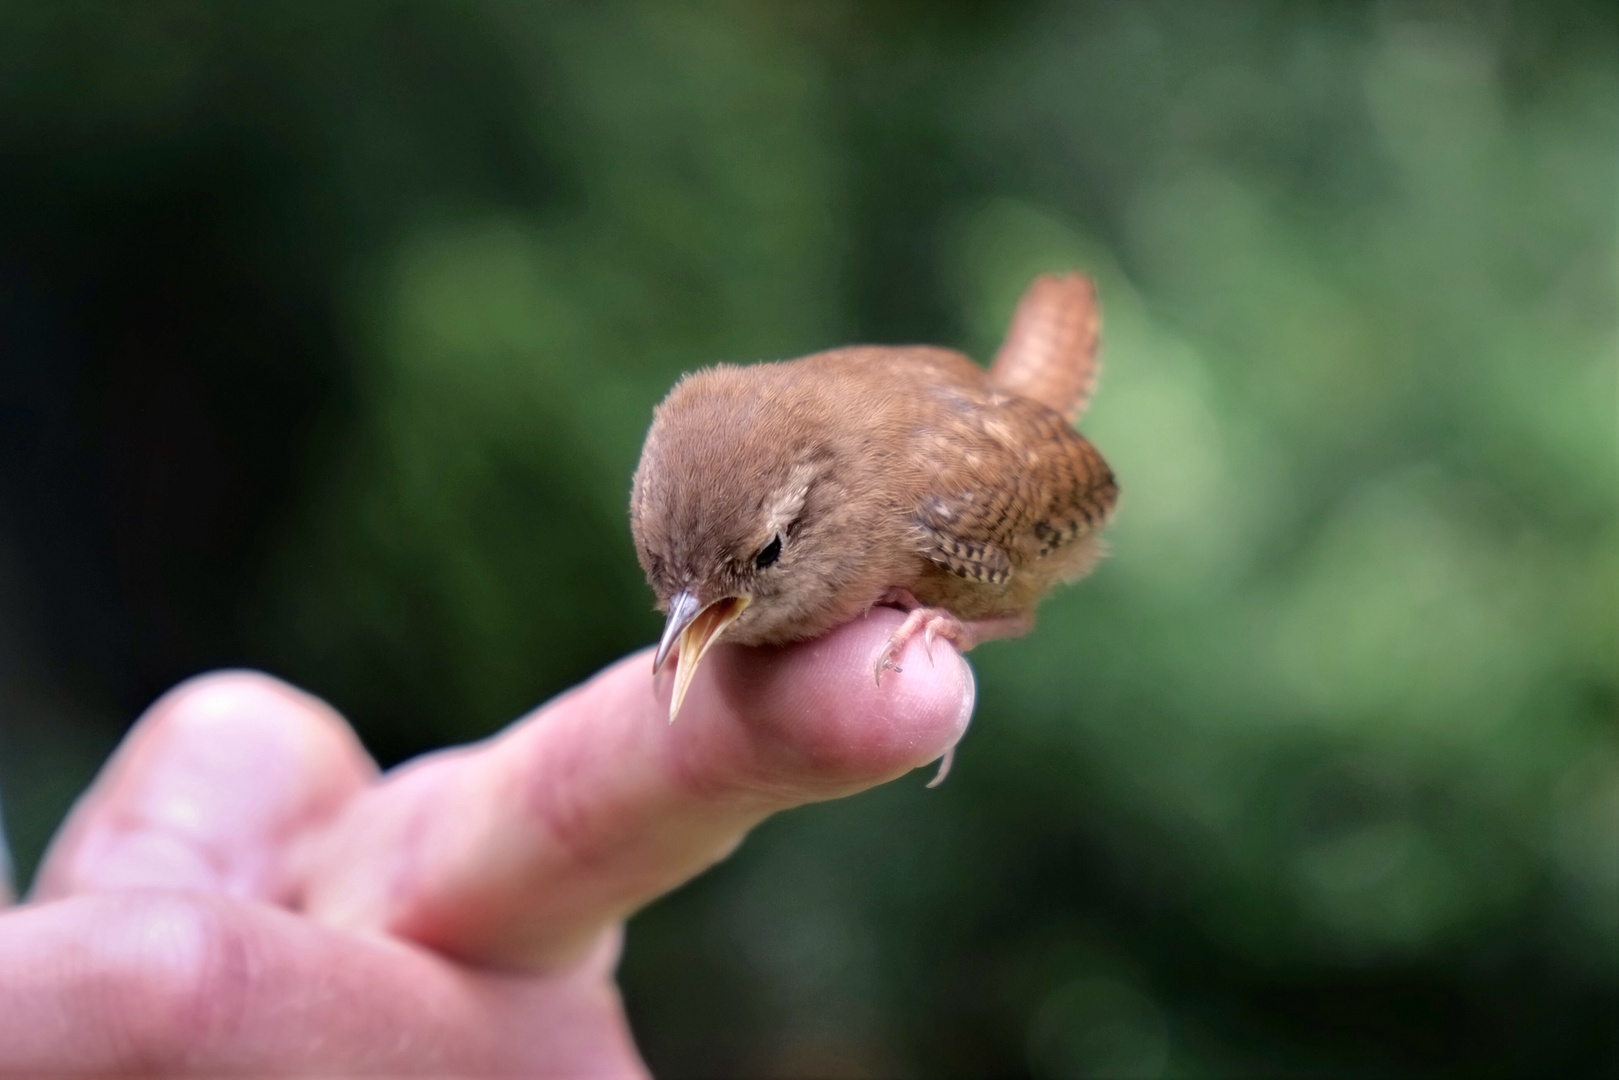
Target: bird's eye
[(769, 553)]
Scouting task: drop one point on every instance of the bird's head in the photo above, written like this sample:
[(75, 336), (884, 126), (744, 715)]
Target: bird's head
[(728, 512)]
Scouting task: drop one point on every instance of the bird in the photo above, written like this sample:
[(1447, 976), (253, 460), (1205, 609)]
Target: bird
[(775, 501)]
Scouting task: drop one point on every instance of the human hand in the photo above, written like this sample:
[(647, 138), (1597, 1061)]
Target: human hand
[(240, 892)]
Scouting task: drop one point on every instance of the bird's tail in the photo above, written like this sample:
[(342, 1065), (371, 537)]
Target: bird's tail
[(1050, 352)]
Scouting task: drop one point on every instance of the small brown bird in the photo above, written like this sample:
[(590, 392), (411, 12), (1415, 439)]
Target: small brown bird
[(776, 501)]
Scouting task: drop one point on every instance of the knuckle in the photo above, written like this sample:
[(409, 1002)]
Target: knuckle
[(168, 975), (256, 706), (569, 821), (219, 697)]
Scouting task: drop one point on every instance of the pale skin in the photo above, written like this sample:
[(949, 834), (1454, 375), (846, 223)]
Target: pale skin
[(241, 892)]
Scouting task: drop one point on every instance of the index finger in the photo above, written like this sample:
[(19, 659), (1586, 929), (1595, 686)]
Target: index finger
[(518, 851)]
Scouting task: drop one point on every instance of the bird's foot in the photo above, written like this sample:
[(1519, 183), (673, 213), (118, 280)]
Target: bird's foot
[(934, 623)]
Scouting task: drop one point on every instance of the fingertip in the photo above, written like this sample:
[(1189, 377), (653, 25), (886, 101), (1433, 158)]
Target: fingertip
[(815, 712)]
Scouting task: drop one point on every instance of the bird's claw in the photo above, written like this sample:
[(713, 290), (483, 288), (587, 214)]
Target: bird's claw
[(932, 624)]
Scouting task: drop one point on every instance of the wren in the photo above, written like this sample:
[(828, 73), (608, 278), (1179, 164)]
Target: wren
[(776, 501)]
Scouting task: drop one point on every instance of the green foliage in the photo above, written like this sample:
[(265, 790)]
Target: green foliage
[(1318, 774)]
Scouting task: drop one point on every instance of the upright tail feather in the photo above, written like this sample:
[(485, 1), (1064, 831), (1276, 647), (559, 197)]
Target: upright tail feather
[(1050, 351)]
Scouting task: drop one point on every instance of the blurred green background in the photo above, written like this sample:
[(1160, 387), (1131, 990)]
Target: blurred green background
[(329, 333)]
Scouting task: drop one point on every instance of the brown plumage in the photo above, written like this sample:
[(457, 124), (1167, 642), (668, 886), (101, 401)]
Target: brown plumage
[(776, 501), (1050, 351)]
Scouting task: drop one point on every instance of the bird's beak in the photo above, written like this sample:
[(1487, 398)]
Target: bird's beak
[(694, 629)]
